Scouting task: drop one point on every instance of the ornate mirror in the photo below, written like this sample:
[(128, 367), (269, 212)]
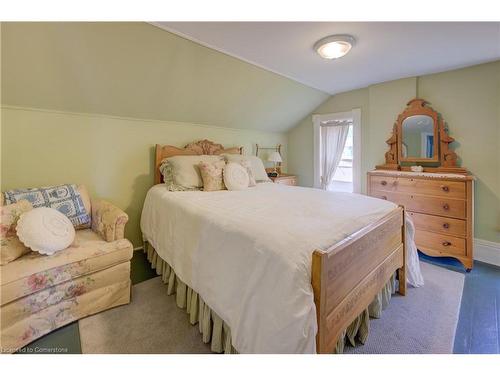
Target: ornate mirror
[(419, 137)]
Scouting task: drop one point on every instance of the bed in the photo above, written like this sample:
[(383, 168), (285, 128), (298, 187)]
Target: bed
[(283, 269)]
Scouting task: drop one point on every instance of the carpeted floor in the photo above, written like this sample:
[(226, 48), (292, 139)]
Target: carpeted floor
[(422, 322), (151, 323)]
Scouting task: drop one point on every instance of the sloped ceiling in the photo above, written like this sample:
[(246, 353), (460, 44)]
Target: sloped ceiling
[(138, 70), (384, 51)]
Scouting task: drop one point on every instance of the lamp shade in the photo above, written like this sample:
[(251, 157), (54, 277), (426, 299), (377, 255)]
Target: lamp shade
[(275, 157)]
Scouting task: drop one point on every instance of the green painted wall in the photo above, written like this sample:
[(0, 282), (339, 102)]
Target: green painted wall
[(138, 70), (113, 157), (469, 101), (300, 138)]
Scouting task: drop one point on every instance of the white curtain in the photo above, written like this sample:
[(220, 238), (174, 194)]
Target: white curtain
[(333, 138)]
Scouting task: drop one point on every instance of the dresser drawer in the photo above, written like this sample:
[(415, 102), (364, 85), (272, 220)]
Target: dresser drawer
[(450, 189), (385, 183), (440, 243), (425, 204), (445, 225)]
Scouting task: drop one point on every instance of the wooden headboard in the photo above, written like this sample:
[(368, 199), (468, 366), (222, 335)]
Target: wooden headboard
[(204, 147)]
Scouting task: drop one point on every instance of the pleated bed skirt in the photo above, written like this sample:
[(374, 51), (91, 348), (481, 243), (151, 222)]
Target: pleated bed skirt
[(216, 332)]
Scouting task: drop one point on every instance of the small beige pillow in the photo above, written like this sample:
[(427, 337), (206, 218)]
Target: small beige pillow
[(212, 175), (168, 178), (258, 169), (11, 248), (235, 176)]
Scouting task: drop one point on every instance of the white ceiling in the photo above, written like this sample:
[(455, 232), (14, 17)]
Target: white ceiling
[(384, 51)]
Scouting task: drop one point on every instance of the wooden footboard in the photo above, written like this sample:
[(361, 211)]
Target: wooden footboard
[(347, 276)]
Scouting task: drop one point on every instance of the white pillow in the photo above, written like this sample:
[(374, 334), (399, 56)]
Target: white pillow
[(45, 230), (259, 172), (235, 176), (185, 170)]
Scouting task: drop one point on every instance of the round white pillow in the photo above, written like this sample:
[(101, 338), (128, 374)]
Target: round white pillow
[(45, 230), (236, 176)]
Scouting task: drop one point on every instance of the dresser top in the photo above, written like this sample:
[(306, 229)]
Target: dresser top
[(429, 175)]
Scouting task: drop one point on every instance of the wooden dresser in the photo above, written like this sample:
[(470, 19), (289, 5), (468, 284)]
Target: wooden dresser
[(421, 173), (440, 205)]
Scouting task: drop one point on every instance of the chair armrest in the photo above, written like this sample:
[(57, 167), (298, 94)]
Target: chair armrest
[(108, 220)]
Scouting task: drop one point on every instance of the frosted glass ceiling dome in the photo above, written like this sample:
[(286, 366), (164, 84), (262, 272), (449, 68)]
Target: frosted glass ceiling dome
[(334, 46)]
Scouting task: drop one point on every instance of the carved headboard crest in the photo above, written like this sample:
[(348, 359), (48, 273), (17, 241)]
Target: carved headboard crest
[(204, 147)]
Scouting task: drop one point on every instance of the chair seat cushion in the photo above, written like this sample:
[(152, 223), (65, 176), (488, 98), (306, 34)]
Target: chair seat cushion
[(34, 272)]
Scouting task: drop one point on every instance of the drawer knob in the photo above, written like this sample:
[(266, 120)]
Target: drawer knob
[(446, 243), (445, 188), (446, 206), (446, 225), (384, 183)]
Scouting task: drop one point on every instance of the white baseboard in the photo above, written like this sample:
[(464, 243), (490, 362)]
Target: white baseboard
[(487, 251), (138, 248)]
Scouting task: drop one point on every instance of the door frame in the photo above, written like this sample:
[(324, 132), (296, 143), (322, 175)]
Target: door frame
[(355, 115)]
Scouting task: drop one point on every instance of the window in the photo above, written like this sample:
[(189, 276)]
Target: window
[(343, 177), (347, 174)]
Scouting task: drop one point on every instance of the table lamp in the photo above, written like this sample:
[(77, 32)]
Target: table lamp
[(275, 157)]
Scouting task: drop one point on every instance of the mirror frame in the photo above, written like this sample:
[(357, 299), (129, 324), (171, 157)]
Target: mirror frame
[(444, 157), (418, 107)]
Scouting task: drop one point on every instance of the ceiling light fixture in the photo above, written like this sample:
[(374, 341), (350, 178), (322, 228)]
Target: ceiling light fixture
[(334, 46)]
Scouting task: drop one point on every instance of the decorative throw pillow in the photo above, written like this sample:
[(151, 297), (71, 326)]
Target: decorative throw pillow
[(168, 178), (185, 170), (235, 176), (11, 248), (45, 230), (251, 179), (258, 170), (84, 195), (67, 199), (211, 173)]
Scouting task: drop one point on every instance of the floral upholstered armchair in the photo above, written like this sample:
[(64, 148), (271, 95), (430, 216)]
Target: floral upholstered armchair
[(40, 293), (108, 220)]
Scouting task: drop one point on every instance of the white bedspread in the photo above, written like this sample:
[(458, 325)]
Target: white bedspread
[(248, 253)]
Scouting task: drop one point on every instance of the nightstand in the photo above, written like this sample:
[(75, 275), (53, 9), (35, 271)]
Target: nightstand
[(285, 179)]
